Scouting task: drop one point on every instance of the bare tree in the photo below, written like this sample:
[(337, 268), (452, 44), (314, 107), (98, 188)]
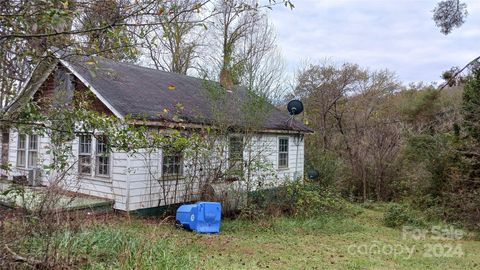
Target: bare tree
[(115, 43), (260, 64), (233, 23), (29, 28), (173, 44), (346, 107)]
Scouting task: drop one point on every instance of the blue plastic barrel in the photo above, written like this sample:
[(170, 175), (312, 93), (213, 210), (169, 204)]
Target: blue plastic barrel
[(201, 217)]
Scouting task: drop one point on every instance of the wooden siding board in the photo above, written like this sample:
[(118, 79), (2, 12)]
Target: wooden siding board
[(146, 193), (132, 188)]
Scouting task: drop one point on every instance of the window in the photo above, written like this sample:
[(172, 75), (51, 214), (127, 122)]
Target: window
[(93, 156), (102, 157), (27, 151), (21, 148), (235, 155), (283, 152), (85, 154), (172, 165), (32, 151)]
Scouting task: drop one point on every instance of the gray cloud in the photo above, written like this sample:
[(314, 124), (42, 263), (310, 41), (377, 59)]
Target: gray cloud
[(398, 35)]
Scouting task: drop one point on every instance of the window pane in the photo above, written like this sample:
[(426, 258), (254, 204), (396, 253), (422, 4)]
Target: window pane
[(172, 165), (84, 165), (283, 145), (32, 159), (102, 145), (236, 147), (235, 155), (21, 158), (103, 156), (283, 160), (103, 163), (21, 153), (283, 152), (22, 138), (84, 154), (85, 144), (33, 144)]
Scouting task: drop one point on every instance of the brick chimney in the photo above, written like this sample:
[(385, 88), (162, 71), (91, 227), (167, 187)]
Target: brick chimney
[(226, 79)]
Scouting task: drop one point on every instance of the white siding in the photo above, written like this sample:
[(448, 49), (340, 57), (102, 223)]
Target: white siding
[(132, 186), (43, 157), (266, 147), (146, 191), (114, 187), (146, 187)]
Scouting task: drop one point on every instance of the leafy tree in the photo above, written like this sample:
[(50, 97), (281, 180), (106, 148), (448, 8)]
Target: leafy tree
[(449, 14), (471, 106)]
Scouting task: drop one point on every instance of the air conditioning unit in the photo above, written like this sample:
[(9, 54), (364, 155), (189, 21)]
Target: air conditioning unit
[(34, 177)]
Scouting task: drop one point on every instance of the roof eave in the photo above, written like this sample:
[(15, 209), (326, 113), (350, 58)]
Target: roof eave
[(91, 88), (30, 88), (189, 125)]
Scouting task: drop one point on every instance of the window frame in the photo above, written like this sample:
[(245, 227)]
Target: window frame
[(32, 150), (180, 164), (85, 154), (22, 149), (104, 155), (27, 150), (94, 155), (283, 152), (232, 159)]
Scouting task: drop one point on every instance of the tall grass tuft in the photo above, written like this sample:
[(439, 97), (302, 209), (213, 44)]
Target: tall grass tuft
[(118, 247)]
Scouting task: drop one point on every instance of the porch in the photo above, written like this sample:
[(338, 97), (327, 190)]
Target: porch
[(33, 198)]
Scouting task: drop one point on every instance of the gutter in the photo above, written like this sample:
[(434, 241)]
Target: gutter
[(176, 125)]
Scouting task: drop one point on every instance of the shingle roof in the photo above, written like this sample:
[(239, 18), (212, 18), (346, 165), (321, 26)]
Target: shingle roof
[(145, 93)]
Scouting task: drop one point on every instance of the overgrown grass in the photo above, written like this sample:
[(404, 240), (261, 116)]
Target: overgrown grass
[(328, 240), (397, 215), (128, 245), (328, 223)]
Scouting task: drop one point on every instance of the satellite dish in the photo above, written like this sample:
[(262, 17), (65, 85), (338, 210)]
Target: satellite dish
[(313, 174), (295, 107)]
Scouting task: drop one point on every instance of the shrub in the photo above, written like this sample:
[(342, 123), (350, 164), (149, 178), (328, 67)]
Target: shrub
[(311, 199), (328, 165), (437, 155), (298, 198), (267, 202), (398, 215)]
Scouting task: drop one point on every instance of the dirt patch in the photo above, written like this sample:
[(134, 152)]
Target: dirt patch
[(7, 213), (158, 220), (216, 241), (85, 216)]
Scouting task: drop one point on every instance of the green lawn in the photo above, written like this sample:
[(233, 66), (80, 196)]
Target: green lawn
[(329, 242), (326, 242)]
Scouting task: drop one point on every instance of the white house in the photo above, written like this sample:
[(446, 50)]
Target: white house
[(121, 90)]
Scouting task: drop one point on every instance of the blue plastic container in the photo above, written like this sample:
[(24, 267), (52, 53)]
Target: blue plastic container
[(201, 217)]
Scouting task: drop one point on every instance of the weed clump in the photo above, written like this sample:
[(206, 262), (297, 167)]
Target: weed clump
[(397, 215), (296, 198)]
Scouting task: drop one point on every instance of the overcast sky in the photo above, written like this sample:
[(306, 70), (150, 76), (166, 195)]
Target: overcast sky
[(395, 34)]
